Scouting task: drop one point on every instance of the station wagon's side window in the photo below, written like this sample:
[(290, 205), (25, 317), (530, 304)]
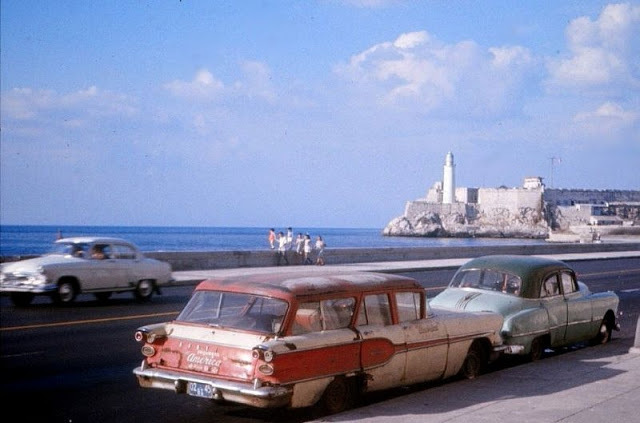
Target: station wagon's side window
[(308, 319), (328, 314), (376, 311), (568, 283), (408, 304), (337, 313), (550, 286)]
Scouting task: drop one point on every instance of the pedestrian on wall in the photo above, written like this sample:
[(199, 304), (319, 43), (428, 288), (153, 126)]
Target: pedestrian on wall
[(320, 244), (289, 238), (272, 238), (282, 248), (300, 244), (306, 249)]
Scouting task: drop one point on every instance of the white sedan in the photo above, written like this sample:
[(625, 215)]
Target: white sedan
[(97, 265)]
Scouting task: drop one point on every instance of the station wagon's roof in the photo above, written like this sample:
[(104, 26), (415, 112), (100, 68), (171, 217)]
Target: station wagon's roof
[(309, 283), (527, 267)]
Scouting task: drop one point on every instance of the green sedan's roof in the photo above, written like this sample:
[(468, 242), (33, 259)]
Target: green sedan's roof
[(530, 269)]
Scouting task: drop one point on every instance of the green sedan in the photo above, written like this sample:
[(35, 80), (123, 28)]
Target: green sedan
[(543, 303)]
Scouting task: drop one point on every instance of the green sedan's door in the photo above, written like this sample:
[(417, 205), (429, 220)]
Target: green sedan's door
[(579, 309), (552, 300)]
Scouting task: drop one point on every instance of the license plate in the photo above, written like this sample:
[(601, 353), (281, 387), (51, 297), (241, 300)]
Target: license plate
[(201, 390)]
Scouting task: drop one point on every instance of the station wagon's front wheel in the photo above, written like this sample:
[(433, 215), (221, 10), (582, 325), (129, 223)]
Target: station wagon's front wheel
[(473, 363), (144, 290)]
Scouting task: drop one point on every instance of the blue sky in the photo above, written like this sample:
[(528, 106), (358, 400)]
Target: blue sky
[(328, 113)]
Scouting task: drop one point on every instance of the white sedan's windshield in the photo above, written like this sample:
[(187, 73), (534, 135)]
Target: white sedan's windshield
[(235, 311)]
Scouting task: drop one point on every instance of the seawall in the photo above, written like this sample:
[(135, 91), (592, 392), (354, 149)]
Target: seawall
[(205, 260)]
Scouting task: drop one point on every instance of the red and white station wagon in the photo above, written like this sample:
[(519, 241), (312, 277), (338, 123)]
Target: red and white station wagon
[(313, 338)]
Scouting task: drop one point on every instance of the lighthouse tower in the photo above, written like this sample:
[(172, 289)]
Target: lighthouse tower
[(448, 181)]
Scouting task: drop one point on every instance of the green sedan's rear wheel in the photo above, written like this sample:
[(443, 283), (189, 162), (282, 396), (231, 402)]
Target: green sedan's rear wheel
[(604, 333), (144, 290), (21, 299), (538, 346)]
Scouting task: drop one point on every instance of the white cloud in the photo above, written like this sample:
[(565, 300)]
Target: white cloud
[(607, 122), (604, 52), (203, 86), (26, 104), (420, 72), (257, 81)]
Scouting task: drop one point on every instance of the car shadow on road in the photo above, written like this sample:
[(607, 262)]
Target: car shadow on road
[(558, 371)]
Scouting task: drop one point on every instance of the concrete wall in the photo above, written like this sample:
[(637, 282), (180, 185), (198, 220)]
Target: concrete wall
[(567, 196), (196, 260)]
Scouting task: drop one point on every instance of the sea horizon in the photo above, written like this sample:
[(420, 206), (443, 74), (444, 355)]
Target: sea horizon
[(19, 240)]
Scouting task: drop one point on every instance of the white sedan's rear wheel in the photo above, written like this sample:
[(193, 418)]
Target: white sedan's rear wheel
[(144, 290)]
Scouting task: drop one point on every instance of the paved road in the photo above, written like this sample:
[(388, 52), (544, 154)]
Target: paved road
[(79, 367)]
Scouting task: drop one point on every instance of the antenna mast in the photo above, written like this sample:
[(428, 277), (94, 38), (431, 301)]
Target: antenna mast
[(554, 160)]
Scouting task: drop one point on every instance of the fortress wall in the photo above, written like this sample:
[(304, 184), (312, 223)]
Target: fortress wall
[(512, 199), (569, 196)]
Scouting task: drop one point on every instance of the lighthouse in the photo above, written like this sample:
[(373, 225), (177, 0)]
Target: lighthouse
[(448, 181)]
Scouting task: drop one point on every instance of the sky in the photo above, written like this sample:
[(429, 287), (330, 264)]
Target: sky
[(317, 113)]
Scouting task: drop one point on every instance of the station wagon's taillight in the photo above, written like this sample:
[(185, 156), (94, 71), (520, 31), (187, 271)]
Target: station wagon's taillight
[(262, 353)]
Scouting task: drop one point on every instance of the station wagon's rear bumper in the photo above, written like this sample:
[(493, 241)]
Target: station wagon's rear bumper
[(243, 393)]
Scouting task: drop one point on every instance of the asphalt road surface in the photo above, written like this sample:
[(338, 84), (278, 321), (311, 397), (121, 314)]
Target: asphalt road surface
[(74, 364)]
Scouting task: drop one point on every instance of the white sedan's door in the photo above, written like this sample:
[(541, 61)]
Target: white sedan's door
[(105, 271)]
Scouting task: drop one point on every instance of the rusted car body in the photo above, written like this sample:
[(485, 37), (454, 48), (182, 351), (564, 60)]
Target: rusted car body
[(299, 339)]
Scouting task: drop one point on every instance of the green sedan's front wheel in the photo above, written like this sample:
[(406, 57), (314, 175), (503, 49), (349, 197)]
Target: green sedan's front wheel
[(538, 346)]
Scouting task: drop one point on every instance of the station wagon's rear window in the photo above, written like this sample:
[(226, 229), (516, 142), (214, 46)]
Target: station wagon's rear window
[(235, 311)]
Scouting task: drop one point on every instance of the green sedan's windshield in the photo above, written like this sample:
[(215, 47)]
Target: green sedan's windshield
[(487, 279)]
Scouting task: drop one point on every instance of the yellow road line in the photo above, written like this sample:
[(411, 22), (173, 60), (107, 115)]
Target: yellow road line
[(80, 322)]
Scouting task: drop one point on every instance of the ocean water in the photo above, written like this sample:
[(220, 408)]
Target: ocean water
[(18, 240)]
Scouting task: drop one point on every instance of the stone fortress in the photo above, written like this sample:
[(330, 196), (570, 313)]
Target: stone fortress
[(529, 211)]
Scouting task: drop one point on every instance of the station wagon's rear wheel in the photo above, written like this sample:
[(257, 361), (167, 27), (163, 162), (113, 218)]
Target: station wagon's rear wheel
[(144, 290), (337, 397), (66, 292), (473, 365), (604, 333), (21, 299)]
